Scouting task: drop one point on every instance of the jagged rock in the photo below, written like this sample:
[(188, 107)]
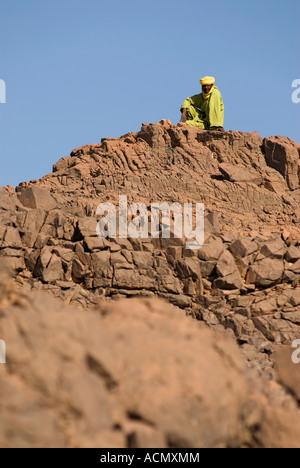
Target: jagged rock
[(212, 250), (143, 260), (78, 271), (265, 307), (132, 279), (88, 228), (189, 268), (265, 272), (276, 330), (295, 268), (53, 270), (93, 373), (293, 254), (207, 268), (295, 298), (14, 265), (101, 269), (96, 243), (37, 198), (119, 261), (229, 282), (282, 154), (168, 283), (274, 249), (243, 247), (211, 223), (239, 174), (226, 268), (12, 239), (243, 264), (245, 279)]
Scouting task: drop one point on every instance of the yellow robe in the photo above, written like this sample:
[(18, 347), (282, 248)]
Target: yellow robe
[(206, 114)]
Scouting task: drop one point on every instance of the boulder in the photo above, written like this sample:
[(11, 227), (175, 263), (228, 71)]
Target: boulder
[(282, 154), (293, 254), (273, 249), (243, 247), (113, 387), (37, 198), (212, 250), (189, 268), (265, 272), (229, 282), (238, 173), (226, 265)]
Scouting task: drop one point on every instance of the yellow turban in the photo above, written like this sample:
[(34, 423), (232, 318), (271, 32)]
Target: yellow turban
[(207, 80)]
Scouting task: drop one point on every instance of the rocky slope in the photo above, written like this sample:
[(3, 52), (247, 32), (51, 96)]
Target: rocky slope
[(243, 284)]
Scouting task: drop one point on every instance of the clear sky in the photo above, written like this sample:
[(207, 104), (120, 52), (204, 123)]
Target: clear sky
[(80, 70)]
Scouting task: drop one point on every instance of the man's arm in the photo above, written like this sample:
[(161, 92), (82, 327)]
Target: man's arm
[(192, 101), (183, 116)]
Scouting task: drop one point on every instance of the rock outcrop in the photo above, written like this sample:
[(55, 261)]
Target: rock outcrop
[(244, 281)]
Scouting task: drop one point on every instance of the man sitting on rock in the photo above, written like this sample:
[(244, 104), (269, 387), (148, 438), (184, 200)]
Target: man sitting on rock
[(205, 110)]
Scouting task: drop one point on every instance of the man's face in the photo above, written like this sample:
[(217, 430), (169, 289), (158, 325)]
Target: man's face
[(206, 88)]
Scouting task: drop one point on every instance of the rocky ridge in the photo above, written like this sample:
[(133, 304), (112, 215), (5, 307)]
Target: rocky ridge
[(244, 281)]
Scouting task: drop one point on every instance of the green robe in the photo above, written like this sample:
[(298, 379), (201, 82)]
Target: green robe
[(206, 114)]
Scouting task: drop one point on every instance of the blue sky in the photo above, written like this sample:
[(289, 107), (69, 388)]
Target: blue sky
[(80, 70)]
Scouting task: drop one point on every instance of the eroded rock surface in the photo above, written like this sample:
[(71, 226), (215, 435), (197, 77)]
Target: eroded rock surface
[(244, 281)]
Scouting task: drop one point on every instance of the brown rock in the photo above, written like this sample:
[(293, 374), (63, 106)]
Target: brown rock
[(295, 298), (274, 249), (295, 268), (207, 268), (266, 307), (243, 247), (132, 279), (293, 254), (143, 436), (119, 260), (189, 268), (101, 263), (226, 265), (96, 243), (143, 260), (212, 250), (88, 228), (288, 372), (229, 282), (278, 429), (37, 198), (54, 270), (265, 272), (175, 252), (99, 377), (239, 174), (282, 154), (79, 271)]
